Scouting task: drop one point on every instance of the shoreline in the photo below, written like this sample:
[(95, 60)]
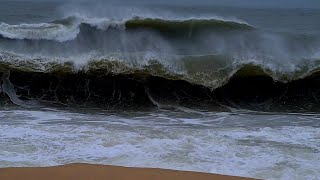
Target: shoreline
[(102, 172)]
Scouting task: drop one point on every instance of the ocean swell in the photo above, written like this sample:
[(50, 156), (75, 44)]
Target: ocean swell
[(69, 28), (111, 84), (144, 62)]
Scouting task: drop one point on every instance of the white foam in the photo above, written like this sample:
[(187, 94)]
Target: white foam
[(104, 23), (42, 31), (36, 138)]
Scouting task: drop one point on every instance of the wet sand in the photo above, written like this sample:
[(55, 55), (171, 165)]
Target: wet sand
[(100, 172)]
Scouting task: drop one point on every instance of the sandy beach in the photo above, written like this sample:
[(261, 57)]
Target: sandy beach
[(100, 172)]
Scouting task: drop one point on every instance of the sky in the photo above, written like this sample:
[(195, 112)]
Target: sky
[(237, 3), (271, 3)]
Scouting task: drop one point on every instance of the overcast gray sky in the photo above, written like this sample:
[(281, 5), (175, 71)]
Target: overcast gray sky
[(242, 3), (272, 3)]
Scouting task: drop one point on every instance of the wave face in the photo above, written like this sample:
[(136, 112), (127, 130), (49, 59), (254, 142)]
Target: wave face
[(114, 84), (69, 28)]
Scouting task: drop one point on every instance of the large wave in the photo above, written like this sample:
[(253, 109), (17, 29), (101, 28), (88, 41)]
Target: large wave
[(69, 28), (210, 71), (149, 61), (115, 83)]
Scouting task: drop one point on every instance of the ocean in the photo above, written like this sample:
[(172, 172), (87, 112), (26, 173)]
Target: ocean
[(200, 87)]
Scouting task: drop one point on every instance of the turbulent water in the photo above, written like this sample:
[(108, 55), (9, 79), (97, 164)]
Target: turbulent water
[(201, 87)]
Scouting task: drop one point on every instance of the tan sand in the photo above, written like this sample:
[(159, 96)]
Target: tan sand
[(99, 172)]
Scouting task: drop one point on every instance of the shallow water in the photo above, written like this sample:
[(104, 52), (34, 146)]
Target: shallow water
[(252, 144)]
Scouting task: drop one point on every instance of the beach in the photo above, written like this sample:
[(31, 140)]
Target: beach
[(100, 172)]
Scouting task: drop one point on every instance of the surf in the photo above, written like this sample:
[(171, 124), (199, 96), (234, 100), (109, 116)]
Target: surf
[(69, 28), (114, 84), (153, 62)]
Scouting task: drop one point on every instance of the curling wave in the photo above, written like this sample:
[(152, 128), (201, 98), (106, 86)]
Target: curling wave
[(114, 83), (69, 28), (210, 71)]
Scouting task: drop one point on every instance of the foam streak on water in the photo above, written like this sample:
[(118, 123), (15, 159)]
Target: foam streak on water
[(276, 146)]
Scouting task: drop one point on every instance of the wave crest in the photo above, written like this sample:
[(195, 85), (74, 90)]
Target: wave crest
[(69, 28), (43, 31), (211, 71)]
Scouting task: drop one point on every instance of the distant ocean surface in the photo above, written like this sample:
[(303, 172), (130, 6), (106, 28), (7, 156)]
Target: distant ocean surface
[(218, 89)]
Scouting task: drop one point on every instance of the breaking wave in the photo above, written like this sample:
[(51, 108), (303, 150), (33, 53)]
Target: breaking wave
[(114, 83), (210, 71), (69, 28), (143, 62)]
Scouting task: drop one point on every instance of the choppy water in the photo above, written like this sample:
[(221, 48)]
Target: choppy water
[(229, 90), (261, 145)]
